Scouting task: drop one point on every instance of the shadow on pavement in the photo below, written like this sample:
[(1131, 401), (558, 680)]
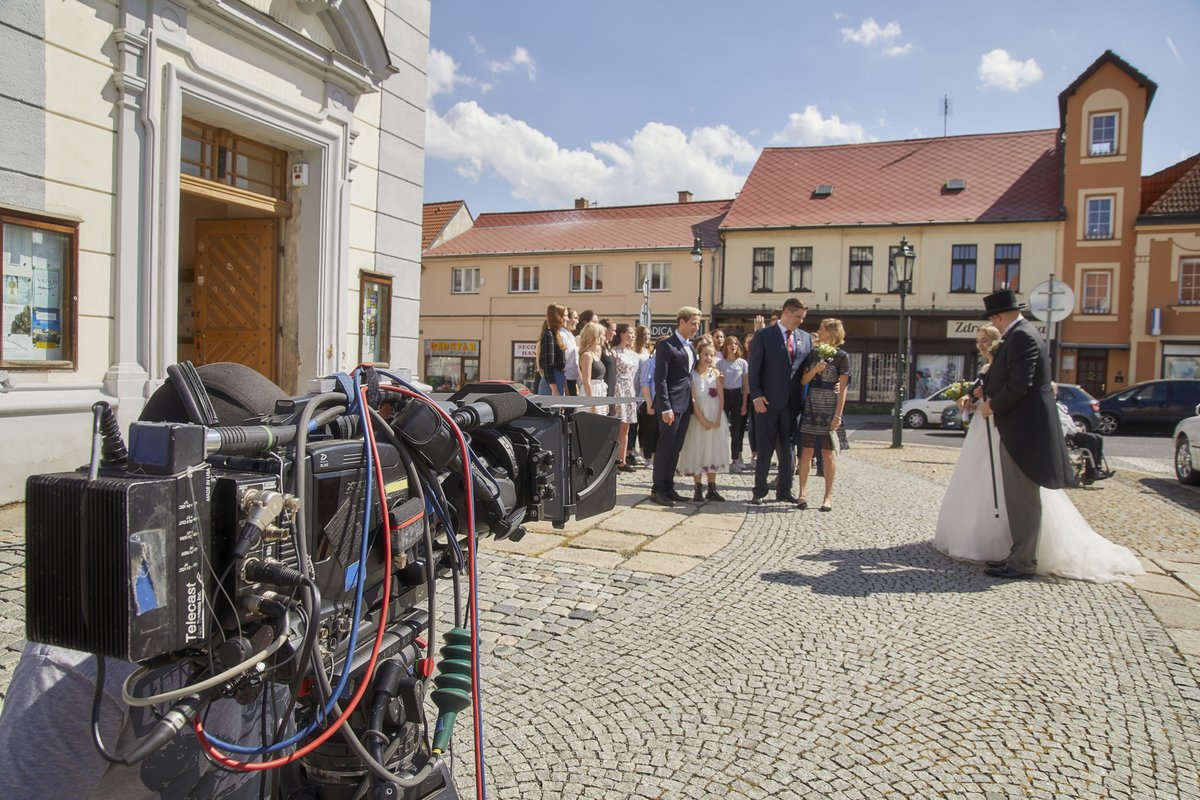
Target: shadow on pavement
[(1174, 491), (905, 569)]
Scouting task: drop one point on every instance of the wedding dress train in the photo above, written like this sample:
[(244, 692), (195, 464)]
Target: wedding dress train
[(973, 523)]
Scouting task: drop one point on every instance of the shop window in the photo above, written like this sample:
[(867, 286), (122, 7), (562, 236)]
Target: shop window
[(1189, 282), (1006, 269), (800, 279), (38, 278), (860, 269), (1103, 141), (963, 262), (1097, 292), (374, 311), (451, 363), (659, 273), (762, 278), (524, 364), (464, 280)]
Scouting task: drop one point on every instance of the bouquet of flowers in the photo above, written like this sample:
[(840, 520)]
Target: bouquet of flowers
[(996, 345), (958, 389), (825, 351)]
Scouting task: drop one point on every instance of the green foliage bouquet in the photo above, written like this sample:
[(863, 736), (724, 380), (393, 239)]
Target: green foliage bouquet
[(958, 389), (825, 351)]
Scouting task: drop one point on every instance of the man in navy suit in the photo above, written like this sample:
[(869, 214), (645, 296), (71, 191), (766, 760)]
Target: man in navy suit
[(673, 362), (775, 389)]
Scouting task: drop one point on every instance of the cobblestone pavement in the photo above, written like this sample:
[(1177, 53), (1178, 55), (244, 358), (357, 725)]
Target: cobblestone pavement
[(836, 656)]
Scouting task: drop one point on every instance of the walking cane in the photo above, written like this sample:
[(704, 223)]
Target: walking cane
[(992, 460)]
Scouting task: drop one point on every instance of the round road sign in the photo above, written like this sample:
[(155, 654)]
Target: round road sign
[(1052, 301)]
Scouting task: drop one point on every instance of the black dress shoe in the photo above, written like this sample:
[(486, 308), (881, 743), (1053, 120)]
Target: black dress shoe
[(676, 496), (661, 500), (757, 500), (1007, 572), (785, 498), (995, 564), (626, 468)]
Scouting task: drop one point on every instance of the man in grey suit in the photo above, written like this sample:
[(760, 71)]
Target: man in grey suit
[(1017, 395)]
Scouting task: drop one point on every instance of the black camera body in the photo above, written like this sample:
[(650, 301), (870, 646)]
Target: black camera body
[(179, 552)]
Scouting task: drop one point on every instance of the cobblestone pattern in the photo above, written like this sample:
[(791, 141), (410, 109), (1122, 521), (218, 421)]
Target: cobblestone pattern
[(839, 656), (12, 592)]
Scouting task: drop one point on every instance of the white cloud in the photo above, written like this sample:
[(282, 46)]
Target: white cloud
[(443, 74), (1000, 70), (520, 57), (898, 50), (650, 166), (810, 128), (869, 33)]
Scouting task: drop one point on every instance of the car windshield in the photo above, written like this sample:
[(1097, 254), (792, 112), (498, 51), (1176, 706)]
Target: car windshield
[(940, 394)]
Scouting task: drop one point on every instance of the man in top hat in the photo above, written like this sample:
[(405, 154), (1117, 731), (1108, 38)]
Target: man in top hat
[(1017, 395)]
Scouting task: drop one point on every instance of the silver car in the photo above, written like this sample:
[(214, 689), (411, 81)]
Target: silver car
[(1187, 449), (919, 413)]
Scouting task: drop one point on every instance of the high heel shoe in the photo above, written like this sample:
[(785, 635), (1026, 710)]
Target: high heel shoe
[(826, 507)]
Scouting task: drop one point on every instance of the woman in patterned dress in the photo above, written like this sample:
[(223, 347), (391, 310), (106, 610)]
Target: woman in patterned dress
[(626, 361), (826, 373)]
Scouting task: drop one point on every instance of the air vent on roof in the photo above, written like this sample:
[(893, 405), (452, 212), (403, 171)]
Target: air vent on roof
[(823, 190), (955, 185)]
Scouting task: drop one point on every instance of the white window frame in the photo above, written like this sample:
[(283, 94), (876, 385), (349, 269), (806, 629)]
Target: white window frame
[(459, 283), (528, 279), (1103, 147), (1100, 229), (585, 275), (1192, 295), (1093, 282), (659, 272)]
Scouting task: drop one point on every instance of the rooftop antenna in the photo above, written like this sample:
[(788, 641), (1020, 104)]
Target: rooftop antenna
[(946, 109)]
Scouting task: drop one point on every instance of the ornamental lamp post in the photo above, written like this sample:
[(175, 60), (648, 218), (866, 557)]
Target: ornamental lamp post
[(698, 257), (902, 267)]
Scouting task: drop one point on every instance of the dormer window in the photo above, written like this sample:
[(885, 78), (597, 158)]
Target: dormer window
[(1103, 140)]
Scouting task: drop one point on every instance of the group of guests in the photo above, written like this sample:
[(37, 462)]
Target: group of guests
[(698, 395)]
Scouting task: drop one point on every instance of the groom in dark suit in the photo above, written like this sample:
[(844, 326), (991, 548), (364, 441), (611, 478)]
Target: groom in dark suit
[(775, 389), (1019, 399), (673, 362)]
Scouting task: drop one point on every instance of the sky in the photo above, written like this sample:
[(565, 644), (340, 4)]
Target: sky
[(533, 103)]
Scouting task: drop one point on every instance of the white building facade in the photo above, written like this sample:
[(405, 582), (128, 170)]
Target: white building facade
[(217, 181)]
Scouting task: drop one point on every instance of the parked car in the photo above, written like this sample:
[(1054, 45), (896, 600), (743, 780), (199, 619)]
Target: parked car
[(919, 413), (1153, 404), (1082, 407), (953, 418), (1187, 449)]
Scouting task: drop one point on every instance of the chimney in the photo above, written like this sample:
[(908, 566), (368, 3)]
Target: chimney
[(685, 196), (582, 202)]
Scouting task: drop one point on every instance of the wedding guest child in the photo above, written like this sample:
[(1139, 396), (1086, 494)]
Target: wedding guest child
[(733, 368), (706, 444)]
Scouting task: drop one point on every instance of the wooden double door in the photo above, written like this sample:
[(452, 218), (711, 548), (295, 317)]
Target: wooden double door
[(236, 280)]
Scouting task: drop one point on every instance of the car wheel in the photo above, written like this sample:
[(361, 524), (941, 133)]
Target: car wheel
[(915, 419), (1185, 470), (1109, 423)]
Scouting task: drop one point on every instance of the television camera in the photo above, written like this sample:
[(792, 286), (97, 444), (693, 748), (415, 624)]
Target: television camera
[(299, 544)]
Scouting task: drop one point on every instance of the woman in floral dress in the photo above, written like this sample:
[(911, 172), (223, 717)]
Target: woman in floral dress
[(626, 362), (826, 373)]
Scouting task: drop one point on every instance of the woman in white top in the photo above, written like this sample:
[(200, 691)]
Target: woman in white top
[(733, 368), (571, 370), (973, 524), (592, 377)]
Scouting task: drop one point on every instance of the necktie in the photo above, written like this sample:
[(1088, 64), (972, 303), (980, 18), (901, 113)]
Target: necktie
[(791, 343)]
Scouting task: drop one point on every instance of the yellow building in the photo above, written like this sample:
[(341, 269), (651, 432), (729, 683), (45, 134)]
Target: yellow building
[(485, 291)]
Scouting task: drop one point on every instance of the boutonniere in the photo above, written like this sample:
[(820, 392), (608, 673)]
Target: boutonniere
[(824, 350), (996, 345)]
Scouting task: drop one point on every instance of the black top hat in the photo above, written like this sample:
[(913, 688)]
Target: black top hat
[(1001, 301)]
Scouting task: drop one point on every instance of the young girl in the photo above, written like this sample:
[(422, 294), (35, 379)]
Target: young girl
[(706, 444)]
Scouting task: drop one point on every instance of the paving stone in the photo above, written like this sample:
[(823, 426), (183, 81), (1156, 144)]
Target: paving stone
[(1173, 612), (1190, 580), (601, 539), (1188, 641), (661, 563), (642, 521), (579, 555), (531, 544), (689, 541), (1163, 584)]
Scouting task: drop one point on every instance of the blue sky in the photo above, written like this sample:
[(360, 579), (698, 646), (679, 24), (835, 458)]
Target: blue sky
[(533, 103)]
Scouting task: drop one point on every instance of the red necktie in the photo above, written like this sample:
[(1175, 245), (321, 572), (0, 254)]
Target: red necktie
[(791, 347)]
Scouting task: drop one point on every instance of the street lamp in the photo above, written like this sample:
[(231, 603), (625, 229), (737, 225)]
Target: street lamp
[(902, 268), (698, 257)]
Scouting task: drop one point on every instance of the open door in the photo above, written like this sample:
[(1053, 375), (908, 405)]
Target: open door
[(235, 293)]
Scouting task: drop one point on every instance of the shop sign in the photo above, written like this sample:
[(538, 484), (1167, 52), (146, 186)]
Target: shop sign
[(524, 349), (967, 328), (468, 348)]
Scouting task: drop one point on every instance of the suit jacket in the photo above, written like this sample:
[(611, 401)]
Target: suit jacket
[(1018, 387), (672, 376), (771, 375)]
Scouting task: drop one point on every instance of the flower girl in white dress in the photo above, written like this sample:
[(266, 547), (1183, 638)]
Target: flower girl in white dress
[(973, 523), (705, 448)]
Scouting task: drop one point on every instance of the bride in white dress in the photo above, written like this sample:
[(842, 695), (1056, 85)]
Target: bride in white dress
[(973, 523)]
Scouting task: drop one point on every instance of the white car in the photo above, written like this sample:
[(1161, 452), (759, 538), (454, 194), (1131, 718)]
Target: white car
[(1187, 449), (919, 413)]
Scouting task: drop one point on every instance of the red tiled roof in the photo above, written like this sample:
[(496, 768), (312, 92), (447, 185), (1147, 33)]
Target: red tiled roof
[(669, 225), (434, 217), (1009, 177), (1174, 190)]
